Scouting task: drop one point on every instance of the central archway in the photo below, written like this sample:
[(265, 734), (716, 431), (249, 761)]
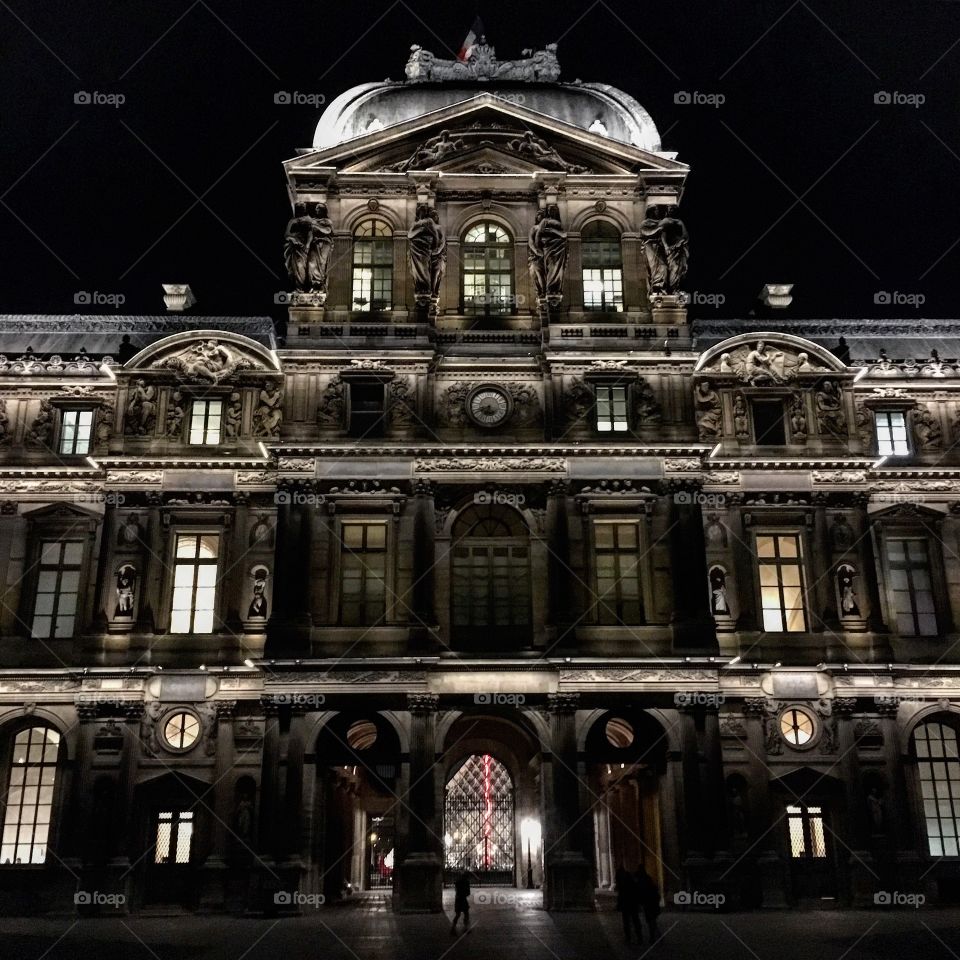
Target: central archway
[(479, 818)]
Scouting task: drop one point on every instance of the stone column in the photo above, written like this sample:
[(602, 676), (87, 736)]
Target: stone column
[(420, 875), (745, 573), (424, 561), (771, 871), (213, 890), (559, 590), (269, 785), (860, 867), (911, 870), (568, 883), (694, 629)]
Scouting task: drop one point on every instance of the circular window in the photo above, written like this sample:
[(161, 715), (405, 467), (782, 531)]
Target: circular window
[(181, 730), (796, 727), (619, 733), (362, 735)]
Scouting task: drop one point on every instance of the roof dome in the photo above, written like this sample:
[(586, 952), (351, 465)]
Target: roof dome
[(433, 84)]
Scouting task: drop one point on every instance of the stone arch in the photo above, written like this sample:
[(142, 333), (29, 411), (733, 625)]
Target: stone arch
[(357, 215), (476, 213), (821, 359), (924, 715), (17, 718), (154, 356), (616, 218)]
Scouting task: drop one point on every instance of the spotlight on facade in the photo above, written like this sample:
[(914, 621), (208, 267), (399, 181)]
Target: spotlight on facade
[(777, 296), (248, 663)]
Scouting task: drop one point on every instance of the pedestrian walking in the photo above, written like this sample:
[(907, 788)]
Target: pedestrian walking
[(461, 903), (649, 897), (628, 903)]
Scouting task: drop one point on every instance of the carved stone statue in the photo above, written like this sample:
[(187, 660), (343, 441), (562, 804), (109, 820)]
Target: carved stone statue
[(126, 586), (928, 430), (709, 418), (830, 415), (41, 431), (541, 66), (719, 604), (233, 416), (176, 412), (430, 152), (427, 245), (209, 360), (547, 254), (258, 604), (330, 407), (664, 241), (537, 149), (4, 422), (849, 607), (741, 425), (141, 409), (308, 243), (268, 413), (798, 419)]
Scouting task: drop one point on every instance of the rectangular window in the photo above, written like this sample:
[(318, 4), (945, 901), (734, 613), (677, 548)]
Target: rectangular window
[(780, 566), (363, 574), (911, 587), (619, 594), (891, 433), (194, 582), (491, 586), (76, 431), (205, 420), (768, 423), (603, 289), (366, 409), (58, 583), (807, 838), (612, 409)]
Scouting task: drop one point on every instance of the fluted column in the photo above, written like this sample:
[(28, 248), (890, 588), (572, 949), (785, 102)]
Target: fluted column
[(288, 631), (693, 626)]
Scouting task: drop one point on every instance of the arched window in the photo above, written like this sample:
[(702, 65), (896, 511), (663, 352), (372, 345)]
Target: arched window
[(487, 269), (938, 768), (373, 266), (491, 577), (28, 806), (602, 267)]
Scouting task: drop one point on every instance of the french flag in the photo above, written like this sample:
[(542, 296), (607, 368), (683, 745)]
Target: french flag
[(476, 31)]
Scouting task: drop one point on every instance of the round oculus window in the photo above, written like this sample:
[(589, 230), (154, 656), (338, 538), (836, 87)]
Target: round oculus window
[(181, 730), (797, 727)]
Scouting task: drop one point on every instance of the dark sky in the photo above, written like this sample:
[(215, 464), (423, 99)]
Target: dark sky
[(799, 176)]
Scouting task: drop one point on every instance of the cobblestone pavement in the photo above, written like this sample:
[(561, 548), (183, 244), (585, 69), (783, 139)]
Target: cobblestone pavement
[(513, 927)]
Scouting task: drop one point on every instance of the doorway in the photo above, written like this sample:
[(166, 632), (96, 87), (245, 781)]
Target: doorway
[(811, 857)]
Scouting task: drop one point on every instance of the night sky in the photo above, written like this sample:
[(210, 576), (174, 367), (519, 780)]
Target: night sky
[(798, 176)]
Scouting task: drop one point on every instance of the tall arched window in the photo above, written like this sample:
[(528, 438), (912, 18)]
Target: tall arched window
[(487, 269), (28, 806), (491, 577), (602, 267), (938, 769), (373, 266)]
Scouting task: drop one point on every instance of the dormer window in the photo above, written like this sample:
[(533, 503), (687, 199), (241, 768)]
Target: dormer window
[(206, 418), (76, 432), (769, 424), (611, 408)]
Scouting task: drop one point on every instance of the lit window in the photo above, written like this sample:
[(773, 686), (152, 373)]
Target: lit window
[(372, 266), (205, 419), (612, 409), (891, 433), (194, 583), (487, 270), (28, 803), (181, 730), (807, 839), (619, 595), (174, 836), (780, 565), (363, 571), (938, 767), (76, 431), (796, 727), (58, 583), (911, 587), (602, 267)]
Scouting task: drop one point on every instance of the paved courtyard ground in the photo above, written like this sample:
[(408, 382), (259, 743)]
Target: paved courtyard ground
[(514, 927)]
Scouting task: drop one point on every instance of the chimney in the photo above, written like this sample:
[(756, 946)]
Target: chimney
[(178, 297), (777, 296)]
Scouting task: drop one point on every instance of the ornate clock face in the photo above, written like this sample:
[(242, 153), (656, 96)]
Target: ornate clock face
[(489, 406)]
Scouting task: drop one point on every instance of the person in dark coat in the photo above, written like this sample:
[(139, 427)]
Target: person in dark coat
[(461, 903), (628, 903), (648, 893)]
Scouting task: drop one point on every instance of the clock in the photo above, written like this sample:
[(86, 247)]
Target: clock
[(488, 406)]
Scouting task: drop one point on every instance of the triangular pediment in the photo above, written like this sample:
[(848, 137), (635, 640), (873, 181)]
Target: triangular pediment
[(455, 137)]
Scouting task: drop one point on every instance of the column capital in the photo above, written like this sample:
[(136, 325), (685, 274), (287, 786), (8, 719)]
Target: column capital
[(844, 706), (422, 703), (562, 703), (759, 706)]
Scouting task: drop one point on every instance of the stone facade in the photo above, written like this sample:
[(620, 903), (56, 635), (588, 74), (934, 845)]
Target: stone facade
[(693, 588)]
